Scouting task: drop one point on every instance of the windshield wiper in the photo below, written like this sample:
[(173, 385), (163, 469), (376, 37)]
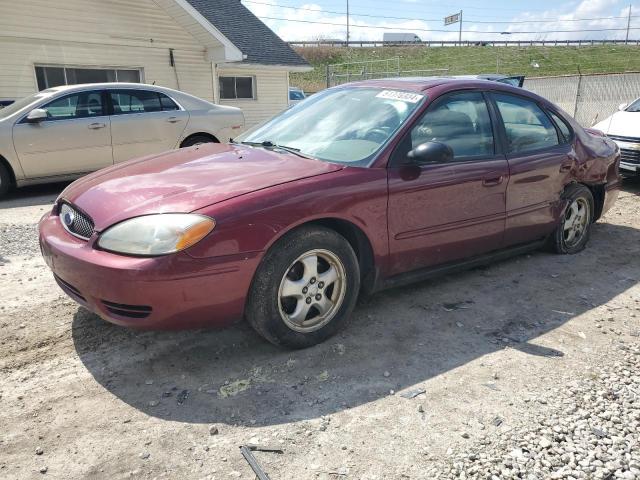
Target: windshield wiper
[(270, 144)]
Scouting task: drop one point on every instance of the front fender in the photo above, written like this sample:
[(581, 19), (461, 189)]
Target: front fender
[(255, 221)]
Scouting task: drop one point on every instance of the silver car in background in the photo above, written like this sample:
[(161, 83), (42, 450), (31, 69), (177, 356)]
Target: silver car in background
[(64, 132)]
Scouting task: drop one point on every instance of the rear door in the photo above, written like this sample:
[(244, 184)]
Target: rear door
[(144, 122), (540, 160), (74, 138), (442, 212)]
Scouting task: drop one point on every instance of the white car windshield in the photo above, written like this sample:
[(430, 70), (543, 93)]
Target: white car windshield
[(344, 125), (23, 102), (634, 107)]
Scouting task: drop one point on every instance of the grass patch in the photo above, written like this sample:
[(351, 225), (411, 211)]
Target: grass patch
[(561, 60)]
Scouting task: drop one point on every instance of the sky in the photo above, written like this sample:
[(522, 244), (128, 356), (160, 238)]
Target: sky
[(486, 20)]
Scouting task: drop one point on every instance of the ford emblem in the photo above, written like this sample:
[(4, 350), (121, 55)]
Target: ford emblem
[(68, 218)]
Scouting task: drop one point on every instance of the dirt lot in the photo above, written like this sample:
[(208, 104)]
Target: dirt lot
[(522, 366)]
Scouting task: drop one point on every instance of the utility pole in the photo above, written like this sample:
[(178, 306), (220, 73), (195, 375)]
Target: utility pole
[(626, 40), (460, 34), (347, 23)]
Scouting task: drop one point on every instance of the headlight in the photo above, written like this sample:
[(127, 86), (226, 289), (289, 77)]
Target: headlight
[(156, 234)]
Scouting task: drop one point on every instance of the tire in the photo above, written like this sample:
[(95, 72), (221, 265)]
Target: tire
[(5, 180), (289, 267), (196, 140), (580, 212)]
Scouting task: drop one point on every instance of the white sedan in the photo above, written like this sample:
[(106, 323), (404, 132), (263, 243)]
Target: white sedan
[(64, 132), (623, 127)]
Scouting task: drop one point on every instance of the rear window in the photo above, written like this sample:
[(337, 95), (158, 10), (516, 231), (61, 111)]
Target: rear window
[(140, 101), (565, 130), (528, 128)]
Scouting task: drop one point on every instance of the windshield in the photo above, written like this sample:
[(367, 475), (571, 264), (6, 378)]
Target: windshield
[(296, 95), (634, 107), (346, 125), (23, 102)]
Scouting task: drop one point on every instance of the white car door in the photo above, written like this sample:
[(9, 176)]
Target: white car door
[(74, 138), (144, 122)]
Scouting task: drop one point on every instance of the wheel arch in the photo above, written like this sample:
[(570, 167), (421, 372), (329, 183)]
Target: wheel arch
[(199, 134), (361, 245), (356, 237), (7, 165), (598, 192)]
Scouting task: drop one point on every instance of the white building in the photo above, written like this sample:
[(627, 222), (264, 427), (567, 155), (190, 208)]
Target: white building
[(215, 49)]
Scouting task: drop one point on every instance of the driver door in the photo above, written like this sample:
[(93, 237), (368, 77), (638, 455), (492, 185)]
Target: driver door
[(443, 212), (74, 138)]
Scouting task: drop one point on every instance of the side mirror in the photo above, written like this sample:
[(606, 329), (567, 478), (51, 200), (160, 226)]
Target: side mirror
[(431, 152), (622, 106), (37, 115)]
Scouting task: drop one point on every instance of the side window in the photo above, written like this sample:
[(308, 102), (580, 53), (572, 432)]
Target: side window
[(137, 101), (167, 103), (528, 127), (565, 130), (461, 121), (78, 105)]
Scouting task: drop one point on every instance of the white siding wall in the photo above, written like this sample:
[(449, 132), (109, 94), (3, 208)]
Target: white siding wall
[(120, 33), (115, 33), (272, 95)]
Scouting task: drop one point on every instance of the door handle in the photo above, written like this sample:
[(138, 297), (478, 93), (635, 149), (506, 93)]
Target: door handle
[(173, 119), (95, 126), (492, 181)]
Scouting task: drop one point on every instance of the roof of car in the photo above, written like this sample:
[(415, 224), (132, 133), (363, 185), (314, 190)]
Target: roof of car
[(83, 86), (420, 84)]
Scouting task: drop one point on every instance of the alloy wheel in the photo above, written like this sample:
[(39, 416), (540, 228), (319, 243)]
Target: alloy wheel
[(312, 290), (576, 222)]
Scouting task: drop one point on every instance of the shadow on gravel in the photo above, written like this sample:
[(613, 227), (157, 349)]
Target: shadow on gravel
[(631, 185), (232, 376), (33, 195)]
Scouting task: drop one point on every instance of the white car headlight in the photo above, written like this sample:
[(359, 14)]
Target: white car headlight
[(158, 234)]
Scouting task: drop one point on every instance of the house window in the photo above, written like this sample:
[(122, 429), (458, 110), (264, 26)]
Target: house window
[(232, 88), (55, 76)]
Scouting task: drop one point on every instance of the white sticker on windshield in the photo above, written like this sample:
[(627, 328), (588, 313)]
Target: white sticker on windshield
[(398, 95)]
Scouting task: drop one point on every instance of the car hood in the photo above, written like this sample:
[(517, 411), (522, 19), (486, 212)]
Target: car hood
[(624, 124), (185, 180)]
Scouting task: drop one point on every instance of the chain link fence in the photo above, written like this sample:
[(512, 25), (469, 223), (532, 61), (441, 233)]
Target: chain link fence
[(589, 98), (339, 73)]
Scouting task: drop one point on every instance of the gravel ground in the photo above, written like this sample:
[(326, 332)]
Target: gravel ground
[(529, 368), (589, 429), (16, 239)]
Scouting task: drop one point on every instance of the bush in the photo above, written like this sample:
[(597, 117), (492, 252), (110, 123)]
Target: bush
[(320, 54)]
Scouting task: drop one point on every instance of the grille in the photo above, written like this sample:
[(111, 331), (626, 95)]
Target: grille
[(76, 222), (624, 139), (131, 311), (630, 156)]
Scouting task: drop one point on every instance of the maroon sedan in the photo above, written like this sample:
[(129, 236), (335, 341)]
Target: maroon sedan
[(358, 188)]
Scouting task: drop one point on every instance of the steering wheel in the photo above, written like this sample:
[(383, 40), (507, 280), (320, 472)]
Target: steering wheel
[(378, 135)]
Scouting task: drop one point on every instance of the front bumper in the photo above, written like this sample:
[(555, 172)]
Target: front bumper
[(170, 292), (629, 154), (629, 168)]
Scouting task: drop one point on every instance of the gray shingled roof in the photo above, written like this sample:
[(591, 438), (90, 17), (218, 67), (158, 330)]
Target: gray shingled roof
[(247, 32)]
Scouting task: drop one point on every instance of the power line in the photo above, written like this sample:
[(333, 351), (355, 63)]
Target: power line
[(315, 10), (380, 27), (453, 7)]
